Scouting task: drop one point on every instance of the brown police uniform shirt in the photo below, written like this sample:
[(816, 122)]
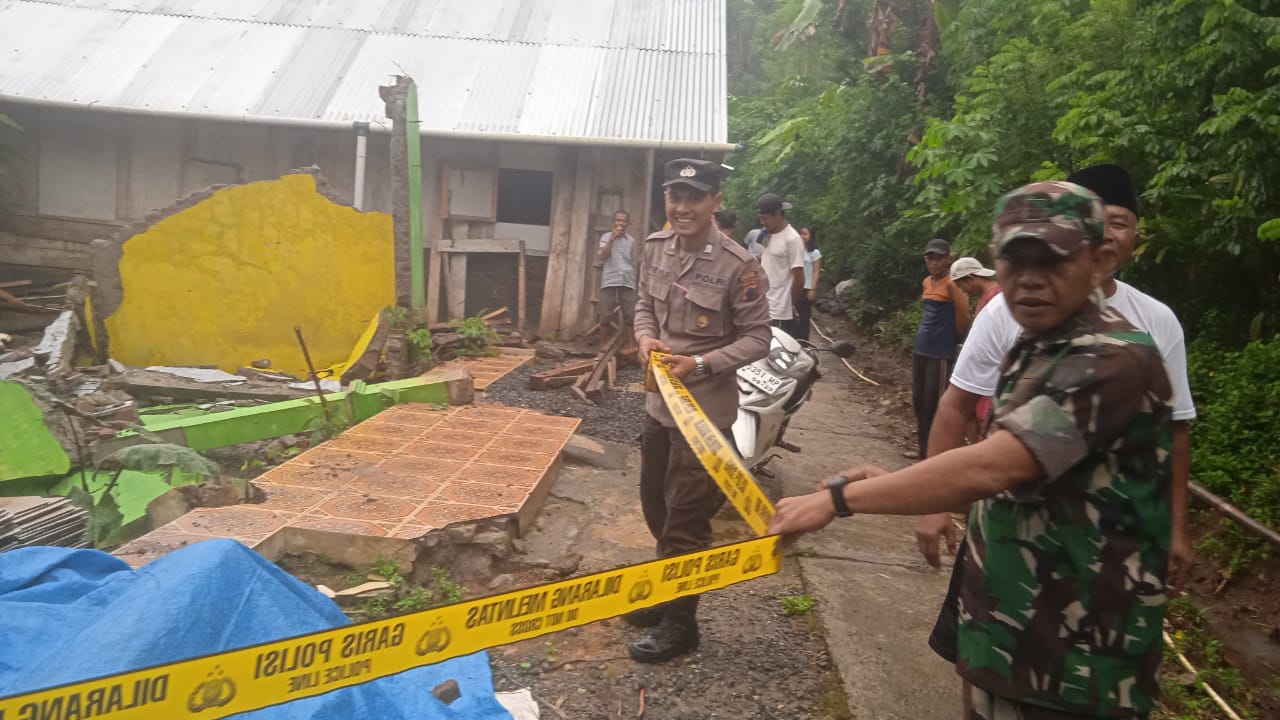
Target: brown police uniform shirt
[(711, 303)]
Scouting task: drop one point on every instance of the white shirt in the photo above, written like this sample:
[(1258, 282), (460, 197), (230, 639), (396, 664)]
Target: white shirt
[(995, 332), (783, 251)]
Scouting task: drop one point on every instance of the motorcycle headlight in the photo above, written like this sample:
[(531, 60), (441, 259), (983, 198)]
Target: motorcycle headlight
[(780, 359)]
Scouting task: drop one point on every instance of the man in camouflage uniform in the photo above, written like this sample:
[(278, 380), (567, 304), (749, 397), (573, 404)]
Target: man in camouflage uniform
[(1062, 595)]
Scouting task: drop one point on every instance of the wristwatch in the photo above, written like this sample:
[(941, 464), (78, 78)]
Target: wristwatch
[(836, 486), (699, 367)]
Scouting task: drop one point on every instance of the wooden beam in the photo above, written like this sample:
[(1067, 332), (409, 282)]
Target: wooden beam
[(456, 287), (521, 291), (573, 311), (435, 272), (561, 217), (647, 199), (494, 315), (15, 283)]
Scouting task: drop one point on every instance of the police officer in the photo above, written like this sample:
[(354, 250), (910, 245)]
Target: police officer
[(701, 299)]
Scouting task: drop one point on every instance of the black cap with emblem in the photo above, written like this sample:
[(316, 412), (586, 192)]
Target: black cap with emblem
[(700, 174)]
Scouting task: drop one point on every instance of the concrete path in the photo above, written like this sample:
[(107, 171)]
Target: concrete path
[(877, 598)]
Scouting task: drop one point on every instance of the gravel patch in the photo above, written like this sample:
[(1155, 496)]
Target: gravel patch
[(616, 417)]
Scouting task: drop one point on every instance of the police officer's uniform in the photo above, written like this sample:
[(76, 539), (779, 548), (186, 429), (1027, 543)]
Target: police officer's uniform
[(704, 299)]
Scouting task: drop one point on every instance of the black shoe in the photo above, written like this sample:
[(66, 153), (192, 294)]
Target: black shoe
[(645, 617), (673, 637)]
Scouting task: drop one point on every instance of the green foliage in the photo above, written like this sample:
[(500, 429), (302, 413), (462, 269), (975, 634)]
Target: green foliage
[(326, 426), (420, 343), (105, 517), (160, 456), (796, 604), (1183, 697), (478, 335), (1234, 449), (405, 597)]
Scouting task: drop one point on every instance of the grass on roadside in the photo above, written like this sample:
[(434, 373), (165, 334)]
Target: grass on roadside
[(1182, 694)]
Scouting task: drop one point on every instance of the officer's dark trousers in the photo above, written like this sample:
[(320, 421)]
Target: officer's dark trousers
[(929, 378), (677, 496)]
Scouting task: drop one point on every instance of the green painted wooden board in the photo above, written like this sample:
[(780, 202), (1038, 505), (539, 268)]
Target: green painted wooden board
[(27, 448)]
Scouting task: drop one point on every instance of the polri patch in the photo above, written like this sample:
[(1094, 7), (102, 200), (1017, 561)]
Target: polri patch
[(750, 285)]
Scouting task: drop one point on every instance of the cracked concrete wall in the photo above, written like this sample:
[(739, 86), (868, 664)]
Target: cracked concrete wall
[(222, 277)]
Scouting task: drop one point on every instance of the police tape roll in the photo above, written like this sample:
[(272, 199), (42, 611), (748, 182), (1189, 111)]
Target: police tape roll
[(721, 462), (259, 676)]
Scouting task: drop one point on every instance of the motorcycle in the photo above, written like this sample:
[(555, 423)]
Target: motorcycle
[(771, 390)]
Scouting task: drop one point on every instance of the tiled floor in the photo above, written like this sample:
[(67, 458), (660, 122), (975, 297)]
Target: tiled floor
[(410, 469), (488, 370)]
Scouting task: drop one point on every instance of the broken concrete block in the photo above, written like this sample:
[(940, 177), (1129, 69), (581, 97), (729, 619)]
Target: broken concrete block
[(58, 346), (261, 364), (145, 383), (329, 386), (116, 366), (585, 450), (204, 375), (13, 369)]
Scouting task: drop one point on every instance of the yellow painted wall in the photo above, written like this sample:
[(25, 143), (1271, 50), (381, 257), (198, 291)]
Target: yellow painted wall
[(225, 281)]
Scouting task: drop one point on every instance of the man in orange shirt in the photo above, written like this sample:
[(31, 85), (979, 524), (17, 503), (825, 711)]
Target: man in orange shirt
[(943, 323)]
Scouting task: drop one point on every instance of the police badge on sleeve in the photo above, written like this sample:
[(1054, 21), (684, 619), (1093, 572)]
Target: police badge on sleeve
[(750, 284)]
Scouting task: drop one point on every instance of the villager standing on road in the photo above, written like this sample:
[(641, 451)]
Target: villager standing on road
[(1063, 582), (812, 271), (727, 222), (617, 277), (943, 322), (783, 261), (702, 299), (977, 282)]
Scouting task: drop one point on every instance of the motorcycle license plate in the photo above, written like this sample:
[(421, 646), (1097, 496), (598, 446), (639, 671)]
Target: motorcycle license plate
[(760, 378)]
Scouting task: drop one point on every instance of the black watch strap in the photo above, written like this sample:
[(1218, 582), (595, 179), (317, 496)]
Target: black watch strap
[(836, 486)]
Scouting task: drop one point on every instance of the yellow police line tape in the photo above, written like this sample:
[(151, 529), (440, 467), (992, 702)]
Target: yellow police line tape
[(259, 676)]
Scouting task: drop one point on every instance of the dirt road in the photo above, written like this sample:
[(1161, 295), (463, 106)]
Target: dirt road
[(860, 653)]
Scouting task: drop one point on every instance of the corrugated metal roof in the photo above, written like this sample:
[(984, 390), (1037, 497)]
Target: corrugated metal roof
[(649, 70)]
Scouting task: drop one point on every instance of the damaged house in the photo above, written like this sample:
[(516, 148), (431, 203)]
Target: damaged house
[(538, 119)]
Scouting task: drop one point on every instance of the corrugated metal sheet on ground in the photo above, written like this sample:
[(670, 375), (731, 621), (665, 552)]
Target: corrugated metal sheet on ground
[(629, 69)]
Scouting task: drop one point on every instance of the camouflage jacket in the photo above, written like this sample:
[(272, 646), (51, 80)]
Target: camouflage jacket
[(1062, 587)]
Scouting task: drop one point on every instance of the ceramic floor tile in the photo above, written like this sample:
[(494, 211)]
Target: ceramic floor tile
[(441, 451), (551, 421), (366, 507), (410, 531), (501, 475), (442, 514), (523, 428), (236, 521), (289, 498), (422, 467), (513, 458), (365, 443), (394, 431), (483, 494), (489, 427), (489, 412), (414, 413), (339, 525), (457, 437), (307, 476), (398, 486), (527, 444), (337, 458)]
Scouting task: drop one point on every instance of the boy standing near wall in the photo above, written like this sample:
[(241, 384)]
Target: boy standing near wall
[(1063, 591), (943, 322)]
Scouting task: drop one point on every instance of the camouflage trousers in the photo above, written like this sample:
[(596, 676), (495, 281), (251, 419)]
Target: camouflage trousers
[(985, 706)]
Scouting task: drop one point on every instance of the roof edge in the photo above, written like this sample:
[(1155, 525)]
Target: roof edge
[(311, 123)]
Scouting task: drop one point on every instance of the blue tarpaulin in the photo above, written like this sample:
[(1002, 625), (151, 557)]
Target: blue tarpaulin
[(69, 615)]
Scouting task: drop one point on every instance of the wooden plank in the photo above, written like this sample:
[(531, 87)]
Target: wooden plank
[(647, 201), (435, 272), (561, 218), (521, 291), (555, 382), (481, 245), (495, 314), (573, 310), (612, 372), (456, 287), (15, 283)]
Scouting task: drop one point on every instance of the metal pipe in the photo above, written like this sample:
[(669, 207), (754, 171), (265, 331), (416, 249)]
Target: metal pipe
[(376, 126), (1236, 514), (362, 148)]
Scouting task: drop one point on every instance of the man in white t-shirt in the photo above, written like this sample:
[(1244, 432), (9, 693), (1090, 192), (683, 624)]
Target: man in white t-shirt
[(782, 260), (995, 331)]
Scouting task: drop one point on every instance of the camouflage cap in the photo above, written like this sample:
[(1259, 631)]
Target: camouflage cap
[(1061, 214)]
